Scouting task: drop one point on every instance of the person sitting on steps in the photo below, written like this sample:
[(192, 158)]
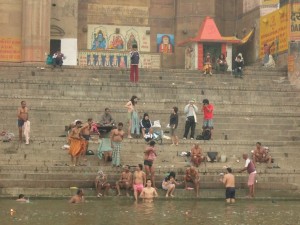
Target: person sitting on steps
[(261, 155)]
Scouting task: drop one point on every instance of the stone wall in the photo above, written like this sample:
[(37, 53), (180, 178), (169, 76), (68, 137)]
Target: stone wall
[(64, 17), (245, 23), (11, 30)]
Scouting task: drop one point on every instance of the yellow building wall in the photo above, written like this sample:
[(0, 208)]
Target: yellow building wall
[(274, 27)]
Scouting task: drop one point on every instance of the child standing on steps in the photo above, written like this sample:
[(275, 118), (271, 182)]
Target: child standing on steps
[(134, 64)]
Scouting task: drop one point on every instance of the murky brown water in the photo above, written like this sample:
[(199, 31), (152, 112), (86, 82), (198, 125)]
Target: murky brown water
[(161, 212)]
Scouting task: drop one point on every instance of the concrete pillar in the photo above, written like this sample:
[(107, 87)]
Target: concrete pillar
[(35, 30), (200, 56)]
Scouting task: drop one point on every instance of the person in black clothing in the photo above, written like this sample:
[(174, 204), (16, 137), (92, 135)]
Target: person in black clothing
[(146, 125), (173, 125), (238, 69), (134, 64)]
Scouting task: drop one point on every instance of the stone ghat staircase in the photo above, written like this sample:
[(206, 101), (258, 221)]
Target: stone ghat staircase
[(261, 107)]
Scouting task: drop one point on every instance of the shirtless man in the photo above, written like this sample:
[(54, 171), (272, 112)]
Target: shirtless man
[(116, 137), (229, 181), (192, 175), (196, 155), (78, 198), (148, 192), (260, 154), (101, 183), (22, 115), (22, 198), (85, 133), (125, 181), (139, 180)]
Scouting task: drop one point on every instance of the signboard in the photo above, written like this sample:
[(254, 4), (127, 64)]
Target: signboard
[(10, 49), (295, 21), (274, 28)]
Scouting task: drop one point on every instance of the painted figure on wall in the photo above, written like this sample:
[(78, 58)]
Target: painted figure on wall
[(95, 59), (115, 62), (116, 42), (122, 62), (107, 61), (188, 57), (166, 43), (88, 60), (131, 41), (99, 41)]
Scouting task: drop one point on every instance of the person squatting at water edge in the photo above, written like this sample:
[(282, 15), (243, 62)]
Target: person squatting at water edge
[(101, 184), (192, 176), (169, 183), (229, 181)]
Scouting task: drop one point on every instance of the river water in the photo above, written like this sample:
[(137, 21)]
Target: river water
[(122, 211)]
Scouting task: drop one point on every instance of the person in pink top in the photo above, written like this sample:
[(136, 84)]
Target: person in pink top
[(208, 115)]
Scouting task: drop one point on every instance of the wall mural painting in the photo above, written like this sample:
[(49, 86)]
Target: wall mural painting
[(99, 39), (116, 59), (119, 38), (165, 43), (103, 60)]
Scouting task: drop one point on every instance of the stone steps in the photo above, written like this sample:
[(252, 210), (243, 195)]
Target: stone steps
[(171, 81), (91, 69), (261, 107), (150, 80), (90, 184), (43, 105), (90, 193)]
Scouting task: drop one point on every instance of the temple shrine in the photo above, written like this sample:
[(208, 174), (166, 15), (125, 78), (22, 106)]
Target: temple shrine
[(209, 40)]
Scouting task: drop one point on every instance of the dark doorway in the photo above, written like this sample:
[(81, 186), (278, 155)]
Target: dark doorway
[(54, 45), (214, 49)]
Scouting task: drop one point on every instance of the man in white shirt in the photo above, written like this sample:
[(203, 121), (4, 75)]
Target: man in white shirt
[(191, 119)]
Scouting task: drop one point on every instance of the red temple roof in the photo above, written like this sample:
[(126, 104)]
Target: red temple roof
[(208, 32)]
